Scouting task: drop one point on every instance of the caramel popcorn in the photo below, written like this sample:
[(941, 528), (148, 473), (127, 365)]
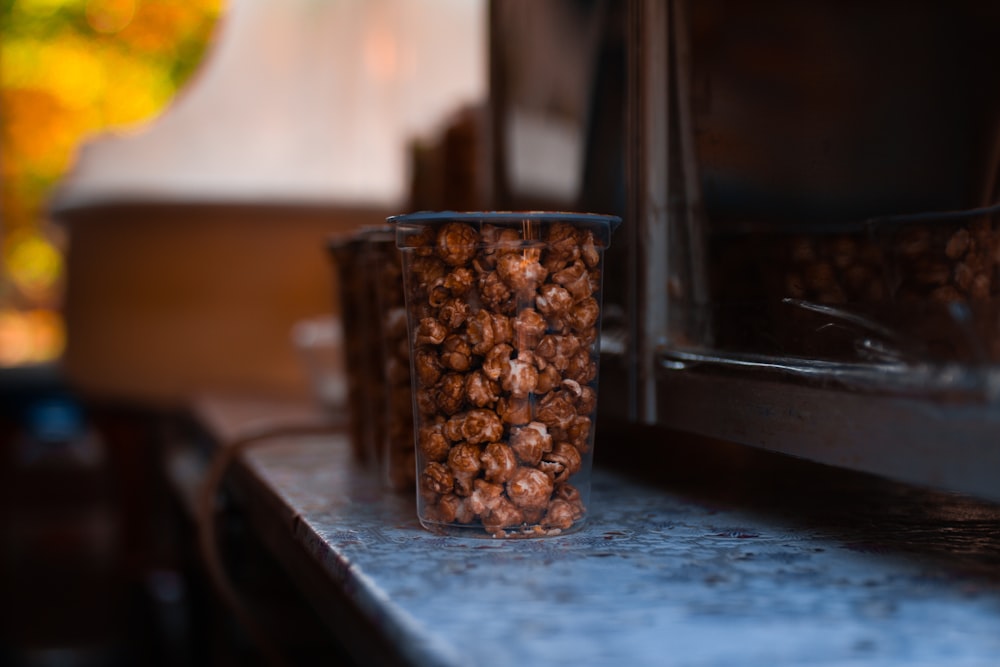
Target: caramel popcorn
[(494, 293), (944, 261), (386, 353), (450, 394), (437, 477), (505, 362), (456, 283), (474, 426), (430, 331), (562, 514), (464, 462), (480, 390), (497, 362), (529, 488), (558, 350), (502, 515), (498, 241), (453, 313), (588, 249), (521, 378), (428, 367), (555, 410), (485, 496), (453, 508), (575, 279), (426, 270), (486, 330), (562, 462), (513, 410), (564, 246), (521, 274), (456, 243), (529, 327), (548, 379), (553, 300), (432, 442), (583, 314), (499, 462), (456, 353), (530, 442), (581, 367)]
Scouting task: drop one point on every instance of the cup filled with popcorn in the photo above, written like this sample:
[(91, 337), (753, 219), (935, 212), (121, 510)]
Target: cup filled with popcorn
[(346, 253), (504, 313)]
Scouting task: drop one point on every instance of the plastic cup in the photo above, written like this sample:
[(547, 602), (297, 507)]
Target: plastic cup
[(345, 254), (383, 269), (504, 314)]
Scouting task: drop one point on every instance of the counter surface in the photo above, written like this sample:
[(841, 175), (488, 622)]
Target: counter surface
[(893, 575)]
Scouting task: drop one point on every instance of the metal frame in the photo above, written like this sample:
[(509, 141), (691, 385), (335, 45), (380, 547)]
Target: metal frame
[(945, 440)]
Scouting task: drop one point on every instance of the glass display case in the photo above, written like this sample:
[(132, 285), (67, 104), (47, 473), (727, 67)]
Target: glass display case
[(810, 245)]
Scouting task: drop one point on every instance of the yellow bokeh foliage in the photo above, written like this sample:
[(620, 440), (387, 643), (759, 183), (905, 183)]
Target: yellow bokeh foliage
[(70, 69)]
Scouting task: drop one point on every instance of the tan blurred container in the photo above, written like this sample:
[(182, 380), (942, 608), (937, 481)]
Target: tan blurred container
[(164, 301)]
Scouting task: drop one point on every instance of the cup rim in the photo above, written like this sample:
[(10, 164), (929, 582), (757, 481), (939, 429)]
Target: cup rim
[(505, 216)]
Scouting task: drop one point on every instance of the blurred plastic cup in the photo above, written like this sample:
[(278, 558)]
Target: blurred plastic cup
[(346, 256), (319, 343), (394, 412)]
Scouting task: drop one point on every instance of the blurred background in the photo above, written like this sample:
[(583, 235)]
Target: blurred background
[(171, 174), (70, 69)]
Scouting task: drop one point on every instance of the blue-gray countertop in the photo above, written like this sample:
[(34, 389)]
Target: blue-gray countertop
[(663, 574)]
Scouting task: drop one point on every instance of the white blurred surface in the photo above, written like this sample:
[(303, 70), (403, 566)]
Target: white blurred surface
[(298, 100), (319, 343)]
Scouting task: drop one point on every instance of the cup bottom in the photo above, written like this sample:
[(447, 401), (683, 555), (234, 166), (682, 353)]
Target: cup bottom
[(479, 531)]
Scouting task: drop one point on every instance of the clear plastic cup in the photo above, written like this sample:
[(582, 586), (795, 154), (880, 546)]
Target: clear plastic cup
[(345, 255), (383, 269), (504, 314)]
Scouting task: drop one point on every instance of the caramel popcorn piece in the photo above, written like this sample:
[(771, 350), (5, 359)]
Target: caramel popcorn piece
[(430, 332), (555, 410), (456, 243), (563, 246), (437, 478), (479, 426), (562, 462), (514, 411), (465, 464), (529, 327), (485, 496), (521, 273), (575, 279), (480, 390), (530, 442), (432, 442), (521, 378), (426, 270), (494, 293), (588, 249), (503, 515), (452, 508), (499, 462), (456, 353), (553, 301), (529, 488), (584, 314), (427, 366), (450, 394), (497, 362), (453, 313)]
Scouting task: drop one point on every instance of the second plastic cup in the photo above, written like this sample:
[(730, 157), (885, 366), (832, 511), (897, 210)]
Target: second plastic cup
[(504, 313)]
